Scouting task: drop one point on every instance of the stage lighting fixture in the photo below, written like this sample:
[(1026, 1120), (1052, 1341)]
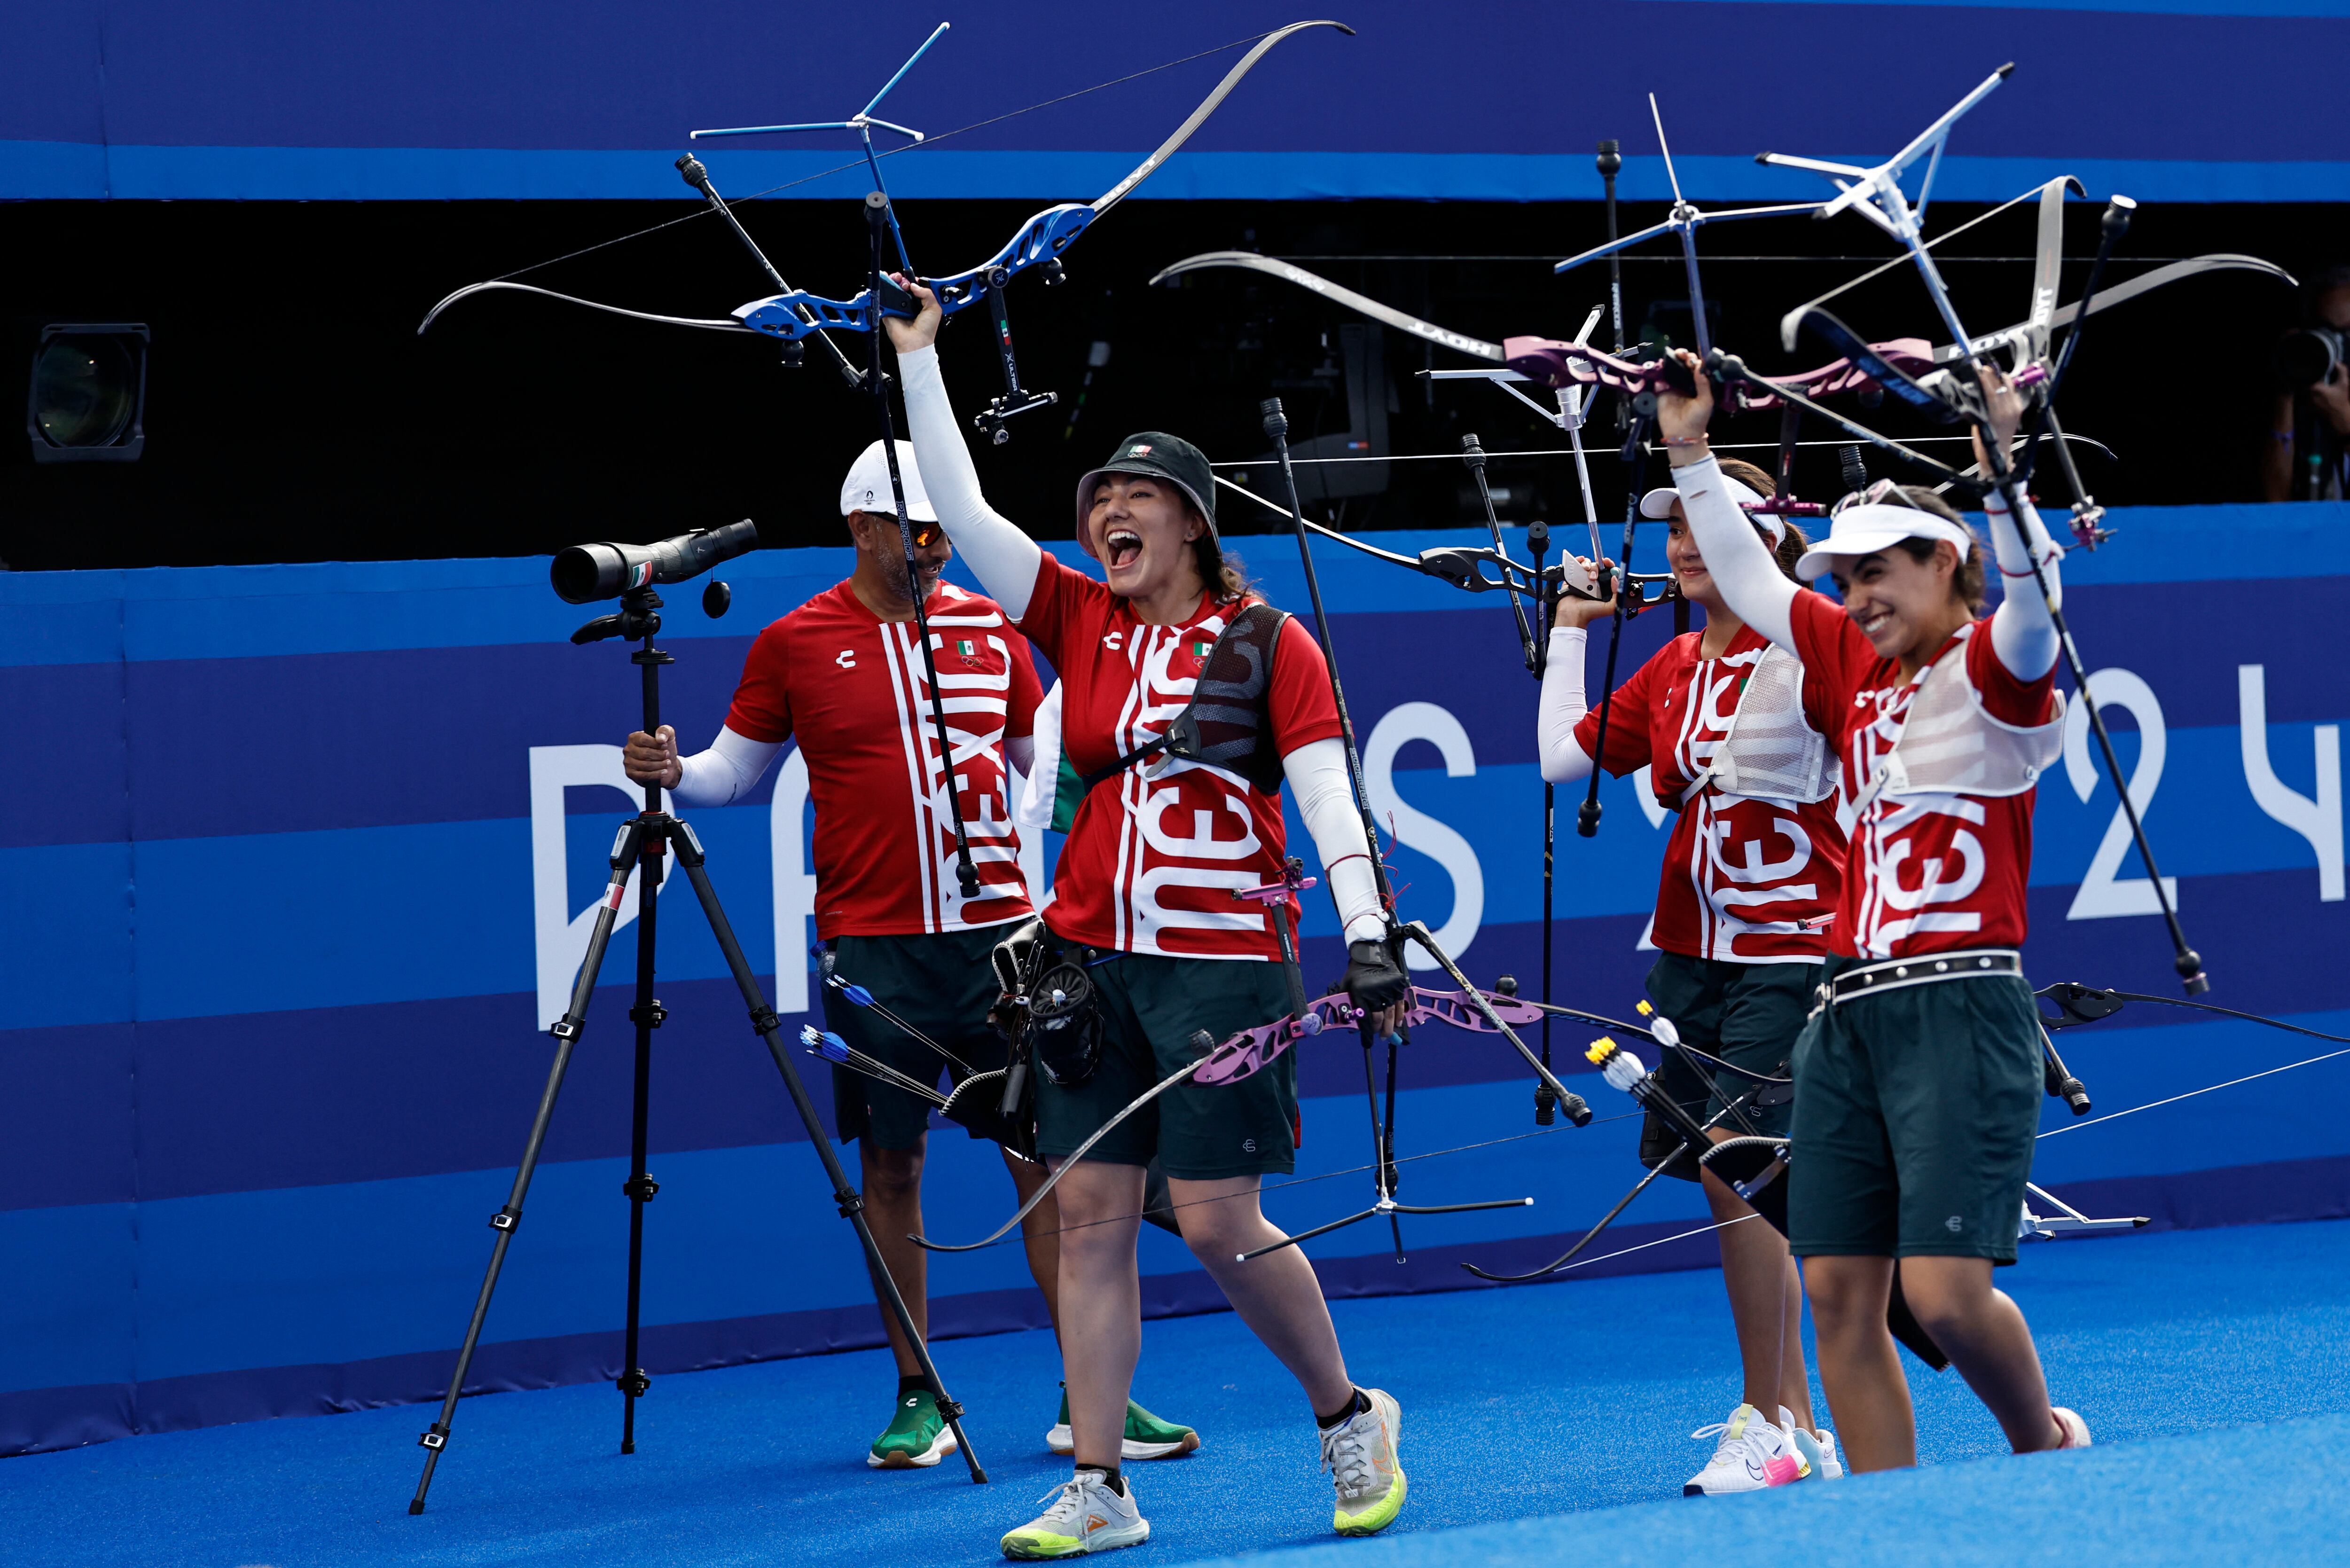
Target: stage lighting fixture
[(89, 399)]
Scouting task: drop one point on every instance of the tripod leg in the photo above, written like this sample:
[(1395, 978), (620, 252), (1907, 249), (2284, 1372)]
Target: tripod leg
[(639, 1188), (851, 1202), (566, 1031)]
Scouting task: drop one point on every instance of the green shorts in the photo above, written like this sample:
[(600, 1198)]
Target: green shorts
[(1151, 1007), (942, 985), (1748, 1014), (1915, 1114)]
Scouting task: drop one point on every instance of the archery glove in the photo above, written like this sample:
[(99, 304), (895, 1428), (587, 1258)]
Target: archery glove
[(1373, 980)]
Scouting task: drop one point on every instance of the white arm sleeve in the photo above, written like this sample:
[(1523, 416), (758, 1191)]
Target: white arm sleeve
[(1757, 592), (2022, 633), (724, 773), (1563, 760), (1005, 559), (1316, 772)]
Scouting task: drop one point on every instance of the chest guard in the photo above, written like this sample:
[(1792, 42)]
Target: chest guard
[(1228, 722), (1771, 752), (1950, 745)]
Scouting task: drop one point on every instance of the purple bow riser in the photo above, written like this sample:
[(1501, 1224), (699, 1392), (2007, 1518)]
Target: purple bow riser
[(1561, 364), (1251, 1050)]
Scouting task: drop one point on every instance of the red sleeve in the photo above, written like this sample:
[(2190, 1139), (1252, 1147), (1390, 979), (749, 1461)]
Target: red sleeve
[(1065, 604), (1302, 707), (763, 701), (1628, 720), (1026, 689), (2007, 698), (1834, 652)]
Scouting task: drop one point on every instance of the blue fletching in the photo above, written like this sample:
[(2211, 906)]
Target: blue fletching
[(856, 993), (823, 1043)]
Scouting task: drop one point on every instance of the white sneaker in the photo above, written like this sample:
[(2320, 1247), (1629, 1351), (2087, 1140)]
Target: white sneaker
[(1359, 1452), (1084, 1515), (1750, 1454), (1816, 1449), (2075, 1430)]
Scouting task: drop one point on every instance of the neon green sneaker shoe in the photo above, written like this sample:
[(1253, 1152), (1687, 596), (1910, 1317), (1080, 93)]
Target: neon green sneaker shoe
[(1361, 1454), (1085, 1516), (917, 1436), (1146, 1437)]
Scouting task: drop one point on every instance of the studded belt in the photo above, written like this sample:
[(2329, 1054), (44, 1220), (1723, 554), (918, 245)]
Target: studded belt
[(1930, 969)]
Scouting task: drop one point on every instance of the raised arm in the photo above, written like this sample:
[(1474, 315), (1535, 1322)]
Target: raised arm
[(1564, 704), (1757, 592), (1005, 559), (2023, 633)]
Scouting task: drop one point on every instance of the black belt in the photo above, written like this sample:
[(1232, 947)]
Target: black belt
[(1929, 969)]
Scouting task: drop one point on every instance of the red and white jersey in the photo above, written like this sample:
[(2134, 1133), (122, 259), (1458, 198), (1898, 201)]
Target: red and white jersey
[(1928, 872), (1156, 850), (850, 687), (1747, 880)]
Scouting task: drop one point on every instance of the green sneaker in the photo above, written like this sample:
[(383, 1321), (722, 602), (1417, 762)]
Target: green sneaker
[(1146, 1437), (917, 1436)]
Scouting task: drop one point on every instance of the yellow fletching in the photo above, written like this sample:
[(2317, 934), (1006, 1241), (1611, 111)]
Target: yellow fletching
[(1601, 1049), (1642, 1008)]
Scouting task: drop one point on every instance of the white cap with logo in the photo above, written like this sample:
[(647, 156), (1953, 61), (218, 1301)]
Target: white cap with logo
[(1867, 528), (867, 488), (1657, 505)]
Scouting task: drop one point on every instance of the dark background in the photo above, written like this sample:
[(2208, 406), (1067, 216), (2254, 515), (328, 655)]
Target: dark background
[(294, 414)]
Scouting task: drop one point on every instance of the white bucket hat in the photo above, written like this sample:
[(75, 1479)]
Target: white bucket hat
[(867, 488), (1657, 505), (1864, 529)]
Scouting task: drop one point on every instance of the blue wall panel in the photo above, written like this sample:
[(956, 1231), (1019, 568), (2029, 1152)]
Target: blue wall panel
[(270, 1018), (246, 100)]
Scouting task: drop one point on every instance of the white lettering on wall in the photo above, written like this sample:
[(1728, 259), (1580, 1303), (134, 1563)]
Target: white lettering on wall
[(2319, 820), (1427, 721), (561, 935), (2102, 895), (795, 882)]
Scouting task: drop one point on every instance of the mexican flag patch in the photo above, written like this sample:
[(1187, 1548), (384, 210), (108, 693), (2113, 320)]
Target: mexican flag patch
[(964, 646), (1201, 648)]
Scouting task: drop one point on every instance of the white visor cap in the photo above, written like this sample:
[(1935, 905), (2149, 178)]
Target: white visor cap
[(1865, 530), (867, 488), (1659, 504)]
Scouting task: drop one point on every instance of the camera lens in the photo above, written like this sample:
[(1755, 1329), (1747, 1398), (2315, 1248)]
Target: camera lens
[(85, 391), (2304, 359)]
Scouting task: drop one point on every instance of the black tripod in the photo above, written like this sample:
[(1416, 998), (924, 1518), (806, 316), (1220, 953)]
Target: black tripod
[(642, 842)]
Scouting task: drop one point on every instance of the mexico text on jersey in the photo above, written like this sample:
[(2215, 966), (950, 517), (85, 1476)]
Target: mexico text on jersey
[(1754, 867), (1158, 849), (850, 687), (1941, 775)]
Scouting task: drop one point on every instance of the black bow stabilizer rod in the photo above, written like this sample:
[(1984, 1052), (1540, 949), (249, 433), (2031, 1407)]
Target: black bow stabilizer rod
[(876, 223)]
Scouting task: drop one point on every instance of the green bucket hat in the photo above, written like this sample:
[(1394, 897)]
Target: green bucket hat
[(1162, 456)]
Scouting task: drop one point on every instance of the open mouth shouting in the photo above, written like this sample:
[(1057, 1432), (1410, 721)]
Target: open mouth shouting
[(1122, 546)]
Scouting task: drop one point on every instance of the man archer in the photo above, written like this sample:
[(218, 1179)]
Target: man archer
[(844, 676)]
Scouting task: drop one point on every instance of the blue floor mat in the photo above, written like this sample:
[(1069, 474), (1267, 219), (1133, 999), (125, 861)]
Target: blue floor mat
[(2208, 1362)]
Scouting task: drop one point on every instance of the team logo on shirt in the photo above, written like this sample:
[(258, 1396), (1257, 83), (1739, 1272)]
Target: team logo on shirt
[(1201, 647), (846, 658), (1113, 639), (965, 647)]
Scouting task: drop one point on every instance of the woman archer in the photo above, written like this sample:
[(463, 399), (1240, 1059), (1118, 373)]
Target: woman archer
[(1732, 730), (1144, 900), (1918, 1079)]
